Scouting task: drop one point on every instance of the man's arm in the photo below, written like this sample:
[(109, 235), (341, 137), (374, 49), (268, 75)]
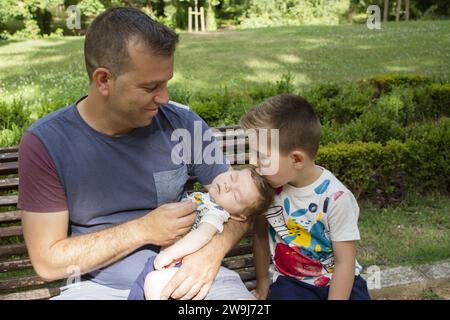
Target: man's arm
[(53, 253)]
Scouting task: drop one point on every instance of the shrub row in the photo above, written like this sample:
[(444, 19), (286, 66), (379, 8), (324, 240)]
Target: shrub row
[(418, 164)]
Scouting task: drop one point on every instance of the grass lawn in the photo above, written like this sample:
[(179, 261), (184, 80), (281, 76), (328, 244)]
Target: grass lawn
[(53, 69), (415, 232)]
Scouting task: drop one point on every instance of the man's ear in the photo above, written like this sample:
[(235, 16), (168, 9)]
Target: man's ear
[(298, 159), (101, 80), (240, 218)]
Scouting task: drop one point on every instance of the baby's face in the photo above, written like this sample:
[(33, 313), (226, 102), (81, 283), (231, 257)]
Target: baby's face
[(234, 191)]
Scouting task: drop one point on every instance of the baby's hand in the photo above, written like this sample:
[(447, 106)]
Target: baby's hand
[(163, 261)]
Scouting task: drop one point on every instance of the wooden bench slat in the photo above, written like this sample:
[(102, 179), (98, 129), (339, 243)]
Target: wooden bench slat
[(247, 274), (7, 266), (12, 249), (22, 282), (10, 231), (234, 158), (242, 146), (37, 294), (240, 250), (9, 149), (234, 263), (250, 284), (225, 128), (9, 184), (10, 216), (230, 263), (8, 167), (8, 157), (8, 200)]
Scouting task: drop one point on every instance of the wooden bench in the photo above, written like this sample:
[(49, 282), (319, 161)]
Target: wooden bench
[(17, 277)]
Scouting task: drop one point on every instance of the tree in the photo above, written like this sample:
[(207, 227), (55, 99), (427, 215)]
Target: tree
[(399, 8), (385, 10), (211, 23)]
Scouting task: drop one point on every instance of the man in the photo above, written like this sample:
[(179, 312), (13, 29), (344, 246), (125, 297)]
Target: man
[(98, 189)]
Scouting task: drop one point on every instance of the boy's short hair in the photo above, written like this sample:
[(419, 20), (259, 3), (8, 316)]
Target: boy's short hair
[(266, 194), (295, 118)]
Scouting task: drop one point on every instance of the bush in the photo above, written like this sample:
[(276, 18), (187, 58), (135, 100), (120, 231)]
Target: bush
[(265, 13), (384, 83), (338, 104), (14, 118), (427, 158), (354, 164), (440, 94), (420, 165), (374, 126)]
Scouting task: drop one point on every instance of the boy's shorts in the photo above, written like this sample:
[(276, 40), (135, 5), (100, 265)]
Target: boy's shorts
[(226, 285), (287, 288)]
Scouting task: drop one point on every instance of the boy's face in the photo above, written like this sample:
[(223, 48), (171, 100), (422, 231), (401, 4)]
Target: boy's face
[(268, 159), (234, 191)]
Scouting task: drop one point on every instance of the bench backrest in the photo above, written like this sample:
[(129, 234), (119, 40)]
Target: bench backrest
[(17, 277)]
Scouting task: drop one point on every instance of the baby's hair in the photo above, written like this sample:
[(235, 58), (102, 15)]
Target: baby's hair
[(266, 194)]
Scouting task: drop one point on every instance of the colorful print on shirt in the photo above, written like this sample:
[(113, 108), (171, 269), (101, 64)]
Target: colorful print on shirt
[(299, 230)]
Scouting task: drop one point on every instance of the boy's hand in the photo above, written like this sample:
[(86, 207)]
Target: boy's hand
[(262, 289)]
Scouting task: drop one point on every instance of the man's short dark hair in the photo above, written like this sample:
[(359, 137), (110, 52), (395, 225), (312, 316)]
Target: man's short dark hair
[(108, 37)]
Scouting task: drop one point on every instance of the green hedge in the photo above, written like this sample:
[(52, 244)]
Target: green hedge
[(386, 82), (388, 144), (420, 164)]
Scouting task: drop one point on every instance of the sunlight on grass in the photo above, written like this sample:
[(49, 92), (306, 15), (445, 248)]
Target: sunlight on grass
[(213, 60)]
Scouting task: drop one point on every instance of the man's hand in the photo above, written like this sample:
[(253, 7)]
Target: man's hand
[(168, 223), (195, 277)]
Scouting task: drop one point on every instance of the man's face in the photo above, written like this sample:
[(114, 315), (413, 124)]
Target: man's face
[(136, 95), (234, 191)]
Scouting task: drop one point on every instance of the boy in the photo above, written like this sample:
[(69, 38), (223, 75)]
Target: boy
[(312, 227), (236, 195)]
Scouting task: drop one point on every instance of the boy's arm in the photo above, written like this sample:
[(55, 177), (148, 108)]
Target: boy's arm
[(344, 274), (190, 243), (261, 257)]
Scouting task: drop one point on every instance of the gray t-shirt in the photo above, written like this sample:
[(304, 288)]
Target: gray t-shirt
[(109, 180)]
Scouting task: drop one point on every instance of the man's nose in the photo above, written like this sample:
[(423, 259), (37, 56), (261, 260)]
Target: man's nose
[(162, 96)]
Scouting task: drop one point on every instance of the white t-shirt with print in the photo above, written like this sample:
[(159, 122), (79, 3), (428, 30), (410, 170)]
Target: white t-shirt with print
[(208, 211), (302, 225)]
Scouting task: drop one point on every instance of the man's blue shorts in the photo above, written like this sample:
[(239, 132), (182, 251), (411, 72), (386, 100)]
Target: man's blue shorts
[(287, 288)]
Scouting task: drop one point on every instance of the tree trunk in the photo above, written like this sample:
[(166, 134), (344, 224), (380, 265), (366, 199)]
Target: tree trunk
[(407, 6), (386, 10), (399, 8)]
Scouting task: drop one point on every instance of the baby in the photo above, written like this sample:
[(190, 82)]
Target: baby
[(233, 195)]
